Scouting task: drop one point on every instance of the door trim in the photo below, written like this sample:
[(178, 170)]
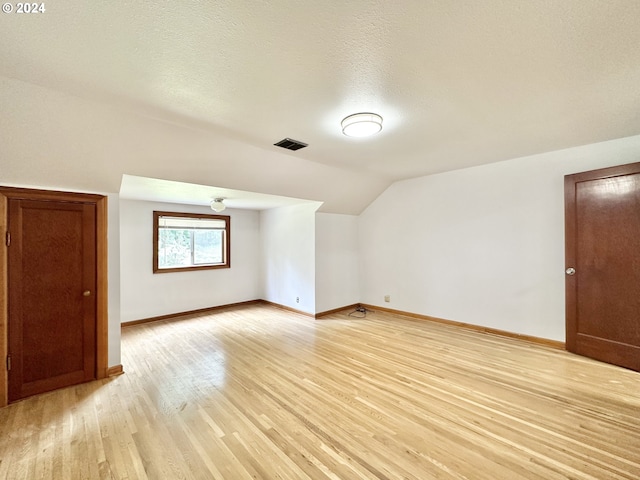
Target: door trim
[(102, 301)]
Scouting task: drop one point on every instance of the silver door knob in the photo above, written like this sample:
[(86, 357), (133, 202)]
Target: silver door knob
[(86, 293), (570, 271)]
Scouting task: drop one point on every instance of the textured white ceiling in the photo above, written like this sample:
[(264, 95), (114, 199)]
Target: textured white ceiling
[(212, 85), (155, 190)]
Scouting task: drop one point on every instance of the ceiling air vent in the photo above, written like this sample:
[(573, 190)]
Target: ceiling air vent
[(290, 144)]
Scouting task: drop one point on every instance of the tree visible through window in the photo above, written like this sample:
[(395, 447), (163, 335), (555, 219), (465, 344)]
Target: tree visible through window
[(184, 241)]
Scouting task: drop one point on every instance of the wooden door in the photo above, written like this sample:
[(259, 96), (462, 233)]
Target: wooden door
[(51, 295), (602, 233)]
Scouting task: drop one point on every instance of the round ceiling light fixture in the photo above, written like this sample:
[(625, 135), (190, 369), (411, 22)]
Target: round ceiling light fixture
[(217, 205), (361, 124)]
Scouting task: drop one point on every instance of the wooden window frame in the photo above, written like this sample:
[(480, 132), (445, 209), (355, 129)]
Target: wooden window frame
[(227, 245)]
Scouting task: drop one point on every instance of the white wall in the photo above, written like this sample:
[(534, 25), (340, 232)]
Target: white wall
[(483, 245), (336, 261), (113, 264), (145, 294), (288, 256)]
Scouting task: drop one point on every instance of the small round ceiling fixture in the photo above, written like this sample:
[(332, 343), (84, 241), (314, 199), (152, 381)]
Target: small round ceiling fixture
[(217, 205), (361, 124)]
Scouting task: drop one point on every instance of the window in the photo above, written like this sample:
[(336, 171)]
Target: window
[(190, 241)]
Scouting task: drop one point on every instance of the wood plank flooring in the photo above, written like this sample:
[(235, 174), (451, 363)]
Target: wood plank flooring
[(257, 392)]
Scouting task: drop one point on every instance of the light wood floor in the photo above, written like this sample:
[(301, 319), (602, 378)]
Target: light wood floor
[(258, 392)]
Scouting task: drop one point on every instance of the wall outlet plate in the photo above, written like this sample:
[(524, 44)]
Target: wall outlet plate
[(387, 298)]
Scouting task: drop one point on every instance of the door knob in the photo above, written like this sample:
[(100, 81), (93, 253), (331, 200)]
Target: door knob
[(86, 293), (570, 271)]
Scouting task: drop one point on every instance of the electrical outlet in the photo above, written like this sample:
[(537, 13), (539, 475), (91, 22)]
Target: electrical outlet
[(387, 298), (297, 299)]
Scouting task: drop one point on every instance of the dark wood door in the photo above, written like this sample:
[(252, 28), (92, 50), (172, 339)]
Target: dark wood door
[(602, 231), (52, 284)]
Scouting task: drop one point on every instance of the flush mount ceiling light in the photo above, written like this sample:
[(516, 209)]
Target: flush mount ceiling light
[(217, 205), (361, 124)]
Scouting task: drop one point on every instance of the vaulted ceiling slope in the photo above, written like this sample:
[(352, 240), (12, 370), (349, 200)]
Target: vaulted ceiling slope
[(199, 91)]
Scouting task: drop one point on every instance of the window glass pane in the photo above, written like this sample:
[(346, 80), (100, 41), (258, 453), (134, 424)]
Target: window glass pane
[(174, 248), (185, 242), (207, 246)]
